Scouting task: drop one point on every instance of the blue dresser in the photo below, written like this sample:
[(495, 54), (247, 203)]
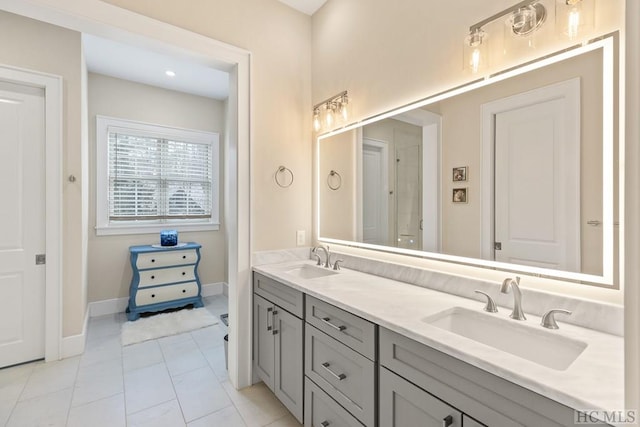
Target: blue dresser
[(163, 277)]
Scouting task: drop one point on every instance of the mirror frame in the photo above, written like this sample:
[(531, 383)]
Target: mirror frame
[(606, 43)]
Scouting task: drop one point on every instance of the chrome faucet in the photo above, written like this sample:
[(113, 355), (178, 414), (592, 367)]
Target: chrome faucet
[(517, 312), (327, 262)]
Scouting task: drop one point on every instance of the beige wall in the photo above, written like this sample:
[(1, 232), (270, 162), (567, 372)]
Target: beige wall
[(109, 269), (33, 45), (279, 39)]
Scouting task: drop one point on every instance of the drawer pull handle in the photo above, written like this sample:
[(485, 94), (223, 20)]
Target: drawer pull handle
[(273, 322), (447, 421), (339, 377), (184, 257), (183, 273), (336, 327), (269, 310), (184, 291), (153, 260), (153, 277), (153, 295), (325, 423)]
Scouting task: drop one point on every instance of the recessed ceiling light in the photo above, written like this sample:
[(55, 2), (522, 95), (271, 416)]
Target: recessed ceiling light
[(170, 73)]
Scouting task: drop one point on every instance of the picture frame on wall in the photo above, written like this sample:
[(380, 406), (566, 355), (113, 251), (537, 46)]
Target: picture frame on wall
[(459, 195), (460, 173)]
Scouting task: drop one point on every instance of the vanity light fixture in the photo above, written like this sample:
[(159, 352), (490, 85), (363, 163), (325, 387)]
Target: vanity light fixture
[(575, 17), (523, 19), (330, 112)]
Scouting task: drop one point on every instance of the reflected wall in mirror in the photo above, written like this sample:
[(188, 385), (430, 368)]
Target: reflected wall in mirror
[(539, 147)]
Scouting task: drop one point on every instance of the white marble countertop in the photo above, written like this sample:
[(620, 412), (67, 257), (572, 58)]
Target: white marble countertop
[(595, 380)]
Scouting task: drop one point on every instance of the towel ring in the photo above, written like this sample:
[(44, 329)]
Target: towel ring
[(338, 185), (285, 171)]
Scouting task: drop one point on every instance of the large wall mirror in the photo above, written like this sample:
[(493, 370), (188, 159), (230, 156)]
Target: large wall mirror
[(516, 172)]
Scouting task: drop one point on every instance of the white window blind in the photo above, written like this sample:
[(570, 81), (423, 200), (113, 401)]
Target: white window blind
[(156, 178)]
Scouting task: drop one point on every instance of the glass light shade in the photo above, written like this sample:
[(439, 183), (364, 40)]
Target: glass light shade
[(329, 115), (343, 109), (575, 18), (316, 120), (475, 51)]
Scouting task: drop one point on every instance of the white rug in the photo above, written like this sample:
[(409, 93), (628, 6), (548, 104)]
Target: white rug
[(166, 324)]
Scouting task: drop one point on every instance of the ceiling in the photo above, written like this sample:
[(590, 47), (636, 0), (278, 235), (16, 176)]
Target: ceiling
[(144, 66), (305, 6)]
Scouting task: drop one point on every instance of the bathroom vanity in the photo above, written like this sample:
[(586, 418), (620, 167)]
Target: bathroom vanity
[(379, 352)]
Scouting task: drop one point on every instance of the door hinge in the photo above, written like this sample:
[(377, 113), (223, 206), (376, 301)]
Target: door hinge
[(41, 259), (497, 246)]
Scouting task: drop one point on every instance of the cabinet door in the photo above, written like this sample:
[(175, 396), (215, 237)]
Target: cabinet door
[(402, 404), (288, 373), (263, 348)]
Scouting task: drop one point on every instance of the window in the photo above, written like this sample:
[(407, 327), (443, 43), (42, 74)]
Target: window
[(153, 177)]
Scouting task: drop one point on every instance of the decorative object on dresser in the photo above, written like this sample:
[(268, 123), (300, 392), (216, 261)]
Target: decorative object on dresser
[(166, 324), (164, 277)]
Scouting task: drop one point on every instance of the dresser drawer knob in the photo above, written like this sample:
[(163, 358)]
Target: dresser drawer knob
[(153, 260), (153, 295), (184, 291), (184, 257), (183, 273), (153, 277)]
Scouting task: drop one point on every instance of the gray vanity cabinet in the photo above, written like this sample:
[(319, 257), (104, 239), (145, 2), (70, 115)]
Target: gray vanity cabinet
[(402, 404), (278, 339)]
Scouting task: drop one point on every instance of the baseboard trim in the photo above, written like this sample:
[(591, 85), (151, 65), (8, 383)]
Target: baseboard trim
[(74, 345), (119, 305)]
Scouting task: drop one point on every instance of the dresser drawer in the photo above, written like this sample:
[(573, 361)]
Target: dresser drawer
[(166, 259), (344, 374), (354, 331), (166, 293), (285, 296), (320, 410), (161, 276)]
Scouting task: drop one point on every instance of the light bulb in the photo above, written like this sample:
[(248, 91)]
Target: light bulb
[(573, 23), (344, 109), (316, 120), (475, 60)]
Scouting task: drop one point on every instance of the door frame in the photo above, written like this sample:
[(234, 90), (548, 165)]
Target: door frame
[(52, 86), (97, 17), (569, 91)]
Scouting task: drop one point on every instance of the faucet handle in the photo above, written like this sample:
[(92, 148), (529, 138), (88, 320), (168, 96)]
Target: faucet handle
[(491, 305), (336, 264), (549, 319)]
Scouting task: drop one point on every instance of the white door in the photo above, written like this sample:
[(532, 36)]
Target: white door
[(408, 190), (375, 188), (22, 223), (537, 214)]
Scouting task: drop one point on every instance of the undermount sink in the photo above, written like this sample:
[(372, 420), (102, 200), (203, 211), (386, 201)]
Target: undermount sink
[(539, 346), (306, 271)]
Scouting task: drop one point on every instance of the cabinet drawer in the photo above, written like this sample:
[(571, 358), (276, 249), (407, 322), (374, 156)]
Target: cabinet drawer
[(320, 410), (470, 422), (166, 293), (161, 276), (166, 259), (486, 397), (342, 373), (280, 294), (354, 331), (402, 404)]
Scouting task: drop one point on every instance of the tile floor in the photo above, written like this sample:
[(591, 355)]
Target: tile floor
[(172, 381)]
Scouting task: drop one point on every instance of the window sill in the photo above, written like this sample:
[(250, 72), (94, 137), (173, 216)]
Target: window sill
[(115, 230)]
